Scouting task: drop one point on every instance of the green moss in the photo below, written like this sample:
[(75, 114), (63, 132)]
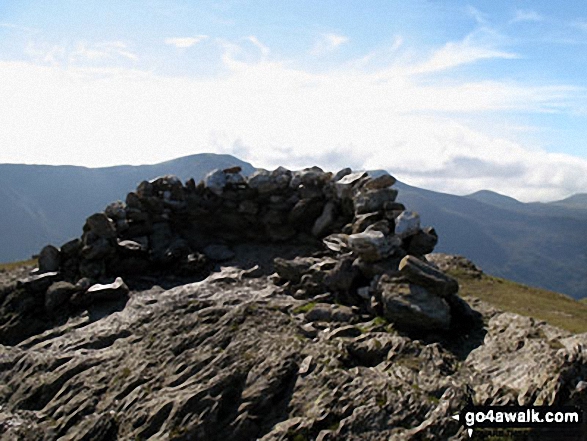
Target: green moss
[(380, 321), (302, 309)]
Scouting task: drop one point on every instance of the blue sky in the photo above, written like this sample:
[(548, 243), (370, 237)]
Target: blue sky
[(448, 95)]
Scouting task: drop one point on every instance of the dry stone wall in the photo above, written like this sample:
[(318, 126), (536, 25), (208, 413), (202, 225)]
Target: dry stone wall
[(373, 247)]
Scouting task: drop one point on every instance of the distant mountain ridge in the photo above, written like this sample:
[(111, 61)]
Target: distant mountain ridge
[(42, 204), (539, 244)]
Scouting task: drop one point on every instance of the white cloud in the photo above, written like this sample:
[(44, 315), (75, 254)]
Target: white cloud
[(526, 15), (185, 42), (81, 53), (328, 43), (264, 49), (455, 54), (18, 28), (277, 115)]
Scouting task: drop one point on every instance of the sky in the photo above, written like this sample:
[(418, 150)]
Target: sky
[(448, 95)]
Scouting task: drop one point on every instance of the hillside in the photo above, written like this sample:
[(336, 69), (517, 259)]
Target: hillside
[(541, 245), (43, 204)]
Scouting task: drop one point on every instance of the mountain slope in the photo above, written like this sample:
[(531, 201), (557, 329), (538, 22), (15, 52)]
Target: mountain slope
[(43, 204), (545, 248)]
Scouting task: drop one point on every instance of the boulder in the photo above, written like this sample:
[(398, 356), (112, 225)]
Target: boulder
[(71, 248), (343, 276), (421, 273), (39, 283), (100, 225), (368, 201), (116, 210), (362, 221), (215, 181), (263, 181), (337, 242), (384, 180), (341, 174), (325, 220), (49, 259), (108, 292), (305, 212), (321, 312), (344, 186), (373, 245), (58, 294), (407, 223), (412, 307), (293, 270), (99, 249), (423, 242)]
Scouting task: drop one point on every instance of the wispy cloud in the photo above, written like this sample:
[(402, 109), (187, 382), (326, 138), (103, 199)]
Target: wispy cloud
[(185, 42), (328, 43), (580, 24), (455, 54), (526, 15), (264, 49), (82, 52), (18, 28), (479, 16)]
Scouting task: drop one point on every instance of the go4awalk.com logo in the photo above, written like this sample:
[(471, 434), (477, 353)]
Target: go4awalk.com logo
[(512, 417)]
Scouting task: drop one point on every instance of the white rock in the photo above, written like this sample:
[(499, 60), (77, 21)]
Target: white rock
[(407, 223)]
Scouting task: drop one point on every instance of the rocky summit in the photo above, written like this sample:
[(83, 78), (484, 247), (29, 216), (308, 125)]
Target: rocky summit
[(283, 305)]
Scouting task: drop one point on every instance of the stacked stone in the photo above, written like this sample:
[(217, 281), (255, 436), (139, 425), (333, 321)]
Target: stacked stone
[(167, 227)]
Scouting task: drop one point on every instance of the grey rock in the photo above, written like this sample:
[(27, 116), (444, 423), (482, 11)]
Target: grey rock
[(71, 248), (423, 242), (58, 294), (131, 246), (39, 283), (412, 307), (421, 273), (343, 331), (49, 259), (337, 242), (99, 249), (407, 223), (372, 246), (305, 212), (325, 220), (325, 312), (343, 276), (107, 292), (341, 174), (116, 210), (294, 269), (368, 201), (344, 186), (263, 181), (215, 181), (384, 180), (362, 221), (101, 226)]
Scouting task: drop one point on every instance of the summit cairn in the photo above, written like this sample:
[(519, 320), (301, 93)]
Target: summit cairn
[(371, 249)]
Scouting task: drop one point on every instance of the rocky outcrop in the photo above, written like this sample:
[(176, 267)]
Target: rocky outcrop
[(237, 358)]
